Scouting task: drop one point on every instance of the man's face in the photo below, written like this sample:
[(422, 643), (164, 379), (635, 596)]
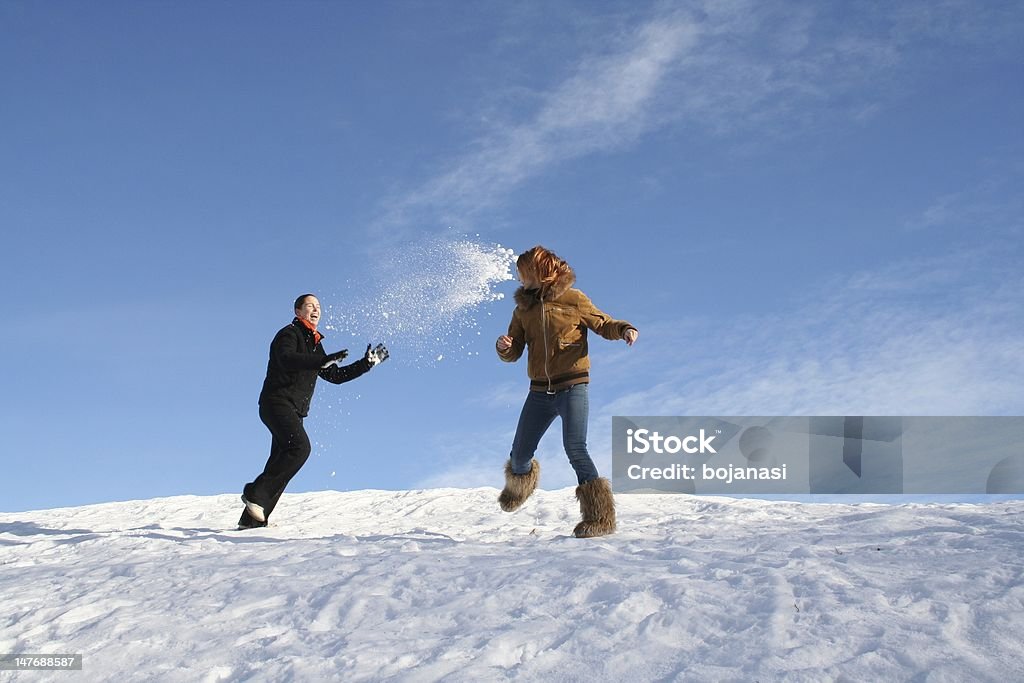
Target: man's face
[(309, 311)]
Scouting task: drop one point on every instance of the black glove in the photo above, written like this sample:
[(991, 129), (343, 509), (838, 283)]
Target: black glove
[(375, 355), (334, 359)]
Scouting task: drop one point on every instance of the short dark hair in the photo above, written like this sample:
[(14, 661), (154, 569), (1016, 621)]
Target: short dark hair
[(301, 300)]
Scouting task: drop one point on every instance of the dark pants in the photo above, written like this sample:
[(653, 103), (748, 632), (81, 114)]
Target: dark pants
[(539, 411), (289, 449)]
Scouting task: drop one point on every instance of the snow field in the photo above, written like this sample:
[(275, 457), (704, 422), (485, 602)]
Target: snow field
[(441, 585)]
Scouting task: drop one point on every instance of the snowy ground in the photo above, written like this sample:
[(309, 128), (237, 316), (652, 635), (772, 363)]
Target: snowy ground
[(441, 585)]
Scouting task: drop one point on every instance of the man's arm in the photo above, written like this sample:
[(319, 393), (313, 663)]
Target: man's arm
[(338, 374)]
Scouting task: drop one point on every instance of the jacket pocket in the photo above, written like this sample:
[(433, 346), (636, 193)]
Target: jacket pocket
[(562, 318)]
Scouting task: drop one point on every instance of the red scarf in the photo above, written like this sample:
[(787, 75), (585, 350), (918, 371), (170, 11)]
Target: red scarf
[(312, 328)]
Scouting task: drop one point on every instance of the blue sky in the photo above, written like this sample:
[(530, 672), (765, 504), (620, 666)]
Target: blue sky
[(806, 208)]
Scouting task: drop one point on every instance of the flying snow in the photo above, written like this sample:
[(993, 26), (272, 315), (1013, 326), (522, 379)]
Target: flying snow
[(428, 299)]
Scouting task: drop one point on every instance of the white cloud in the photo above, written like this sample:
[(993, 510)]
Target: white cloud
[(991, 206), (926, 337), (603, 105), (727, 68)]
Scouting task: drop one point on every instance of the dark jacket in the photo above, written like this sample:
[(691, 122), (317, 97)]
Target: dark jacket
[(295, 360), (552, 323)]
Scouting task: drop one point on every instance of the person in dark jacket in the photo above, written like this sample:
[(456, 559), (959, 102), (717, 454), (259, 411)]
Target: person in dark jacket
[(297, 359)]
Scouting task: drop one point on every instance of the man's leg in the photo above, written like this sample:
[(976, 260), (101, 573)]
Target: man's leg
[(273, 503), (289, 451)]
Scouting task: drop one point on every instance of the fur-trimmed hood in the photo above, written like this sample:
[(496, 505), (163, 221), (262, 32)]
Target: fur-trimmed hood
[(527, 298)]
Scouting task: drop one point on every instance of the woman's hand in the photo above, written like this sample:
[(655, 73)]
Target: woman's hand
[(630, 336), (504, 342)]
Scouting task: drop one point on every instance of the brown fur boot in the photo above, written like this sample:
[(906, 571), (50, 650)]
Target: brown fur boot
[(518, 487), (597, 506)]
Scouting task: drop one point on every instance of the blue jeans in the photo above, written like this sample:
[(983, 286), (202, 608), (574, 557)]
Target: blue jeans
[(539, 411)]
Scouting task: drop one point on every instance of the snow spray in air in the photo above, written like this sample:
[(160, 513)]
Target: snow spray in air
[(427, 299)]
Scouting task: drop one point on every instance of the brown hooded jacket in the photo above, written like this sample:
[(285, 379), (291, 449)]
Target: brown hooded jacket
[(552, 323)]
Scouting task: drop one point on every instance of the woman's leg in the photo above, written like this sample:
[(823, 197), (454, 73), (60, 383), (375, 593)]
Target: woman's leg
[(574, 408), (597, 505), (537, 415), (522, 471)]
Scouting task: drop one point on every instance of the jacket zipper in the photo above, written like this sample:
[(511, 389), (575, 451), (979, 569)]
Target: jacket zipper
[(544, 329)]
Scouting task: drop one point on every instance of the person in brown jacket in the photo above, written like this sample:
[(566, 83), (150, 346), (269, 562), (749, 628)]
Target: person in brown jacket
[(550, 321)]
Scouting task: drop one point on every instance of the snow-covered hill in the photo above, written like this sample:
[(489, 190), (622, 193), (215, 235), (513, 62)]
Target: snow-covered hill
[(441, 585)]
